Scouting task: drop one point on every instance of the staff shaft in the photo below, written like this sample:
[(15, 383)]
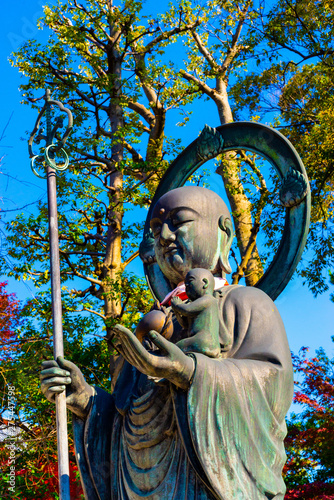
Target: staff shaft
[(58, 346)]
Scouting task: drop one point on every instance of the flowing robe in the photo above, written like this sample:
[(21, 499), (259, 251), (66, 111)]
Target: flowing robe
[(221, 439)]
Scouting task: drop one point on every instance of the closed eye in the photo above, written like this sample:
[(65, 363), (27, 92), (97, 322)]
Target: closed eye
[(181, 216), (177, 222), (188, 282)]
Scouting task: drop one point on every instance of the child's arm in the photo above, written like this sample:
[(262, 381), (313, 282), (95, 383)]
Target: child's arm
[(191, 308)]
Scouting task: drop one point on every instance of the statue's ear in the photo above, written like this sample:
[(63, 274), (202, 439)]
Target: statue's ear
[(206, 283), (225, 224)]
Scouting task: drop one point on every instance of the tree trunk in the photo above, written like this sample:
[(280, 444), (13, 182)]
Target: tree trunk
[(112, 265), (241, 207)]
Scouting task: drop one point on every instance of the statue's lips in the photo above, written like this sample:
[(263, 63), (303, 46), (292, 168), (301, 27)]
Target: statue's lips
[(170, 250)]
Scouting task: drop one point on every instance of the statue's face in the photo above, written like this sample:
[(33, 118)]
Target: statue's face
[(186, 232)]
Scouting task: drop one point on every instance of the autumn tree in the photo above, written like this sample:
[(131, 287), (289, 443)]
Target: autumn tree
[(309, 471), (9, 321), (27, 421)]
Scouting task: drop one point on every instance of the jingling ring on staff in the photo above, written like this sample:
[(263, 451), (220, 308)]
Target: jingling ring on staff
[(51, 162), (32, 165)]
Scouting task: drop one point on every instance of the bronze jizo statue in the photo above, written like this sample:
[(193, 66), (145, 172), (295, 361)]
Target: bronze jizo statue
[(179, 423)]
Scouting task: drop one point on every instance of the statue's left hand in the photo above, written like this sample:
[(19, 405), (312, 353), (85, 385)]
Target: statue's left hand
[(172, 364)]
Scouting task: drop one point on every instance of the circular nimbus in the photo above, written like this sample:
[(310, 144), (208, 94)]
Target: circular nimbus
[(294, 196)]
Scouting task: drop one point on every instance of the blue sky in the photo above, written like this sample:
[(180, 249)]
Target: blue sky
[(308, 320)]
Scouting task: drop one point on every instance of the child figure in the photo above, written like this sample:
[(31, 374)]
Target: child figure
[(202, 314)]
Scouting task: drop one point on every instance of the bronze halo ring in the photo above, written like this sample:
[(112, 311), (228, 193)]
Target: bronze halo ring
[(294, 195)]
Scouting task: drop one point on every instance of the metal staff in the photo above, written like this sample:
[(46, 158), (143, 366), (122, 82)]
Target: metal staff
[(48, 158)]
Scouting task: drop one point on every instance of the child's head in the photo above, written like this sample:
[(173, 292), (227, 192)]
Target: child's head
[(199, 282)]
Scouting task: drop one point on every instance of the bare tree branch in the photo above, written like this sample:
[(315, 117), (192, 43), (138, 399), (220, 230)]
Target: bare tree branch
[(141, 110), (130, 259), (234, 49), (204, 51)]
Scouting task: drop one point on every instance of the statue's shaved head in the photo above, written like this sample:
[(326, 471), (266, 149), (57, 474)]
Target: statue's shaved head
[(200, 199), (192, 228)]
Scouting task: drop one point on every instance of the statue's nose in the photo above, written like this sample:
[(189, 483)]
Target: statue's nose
[(166, 235)]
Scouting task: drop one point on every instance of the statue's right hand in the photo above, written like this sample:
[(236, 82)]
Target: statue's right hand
[(60, 375)]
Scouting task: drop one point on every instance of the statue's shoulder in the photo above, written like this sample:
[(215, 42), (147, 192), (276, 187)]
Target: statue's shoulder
[(244, 296), (252, 311)]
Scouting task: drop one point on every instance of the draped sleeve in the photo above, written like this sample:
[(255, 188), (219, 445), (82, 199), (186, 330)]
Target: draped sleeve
[(92, 439)]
